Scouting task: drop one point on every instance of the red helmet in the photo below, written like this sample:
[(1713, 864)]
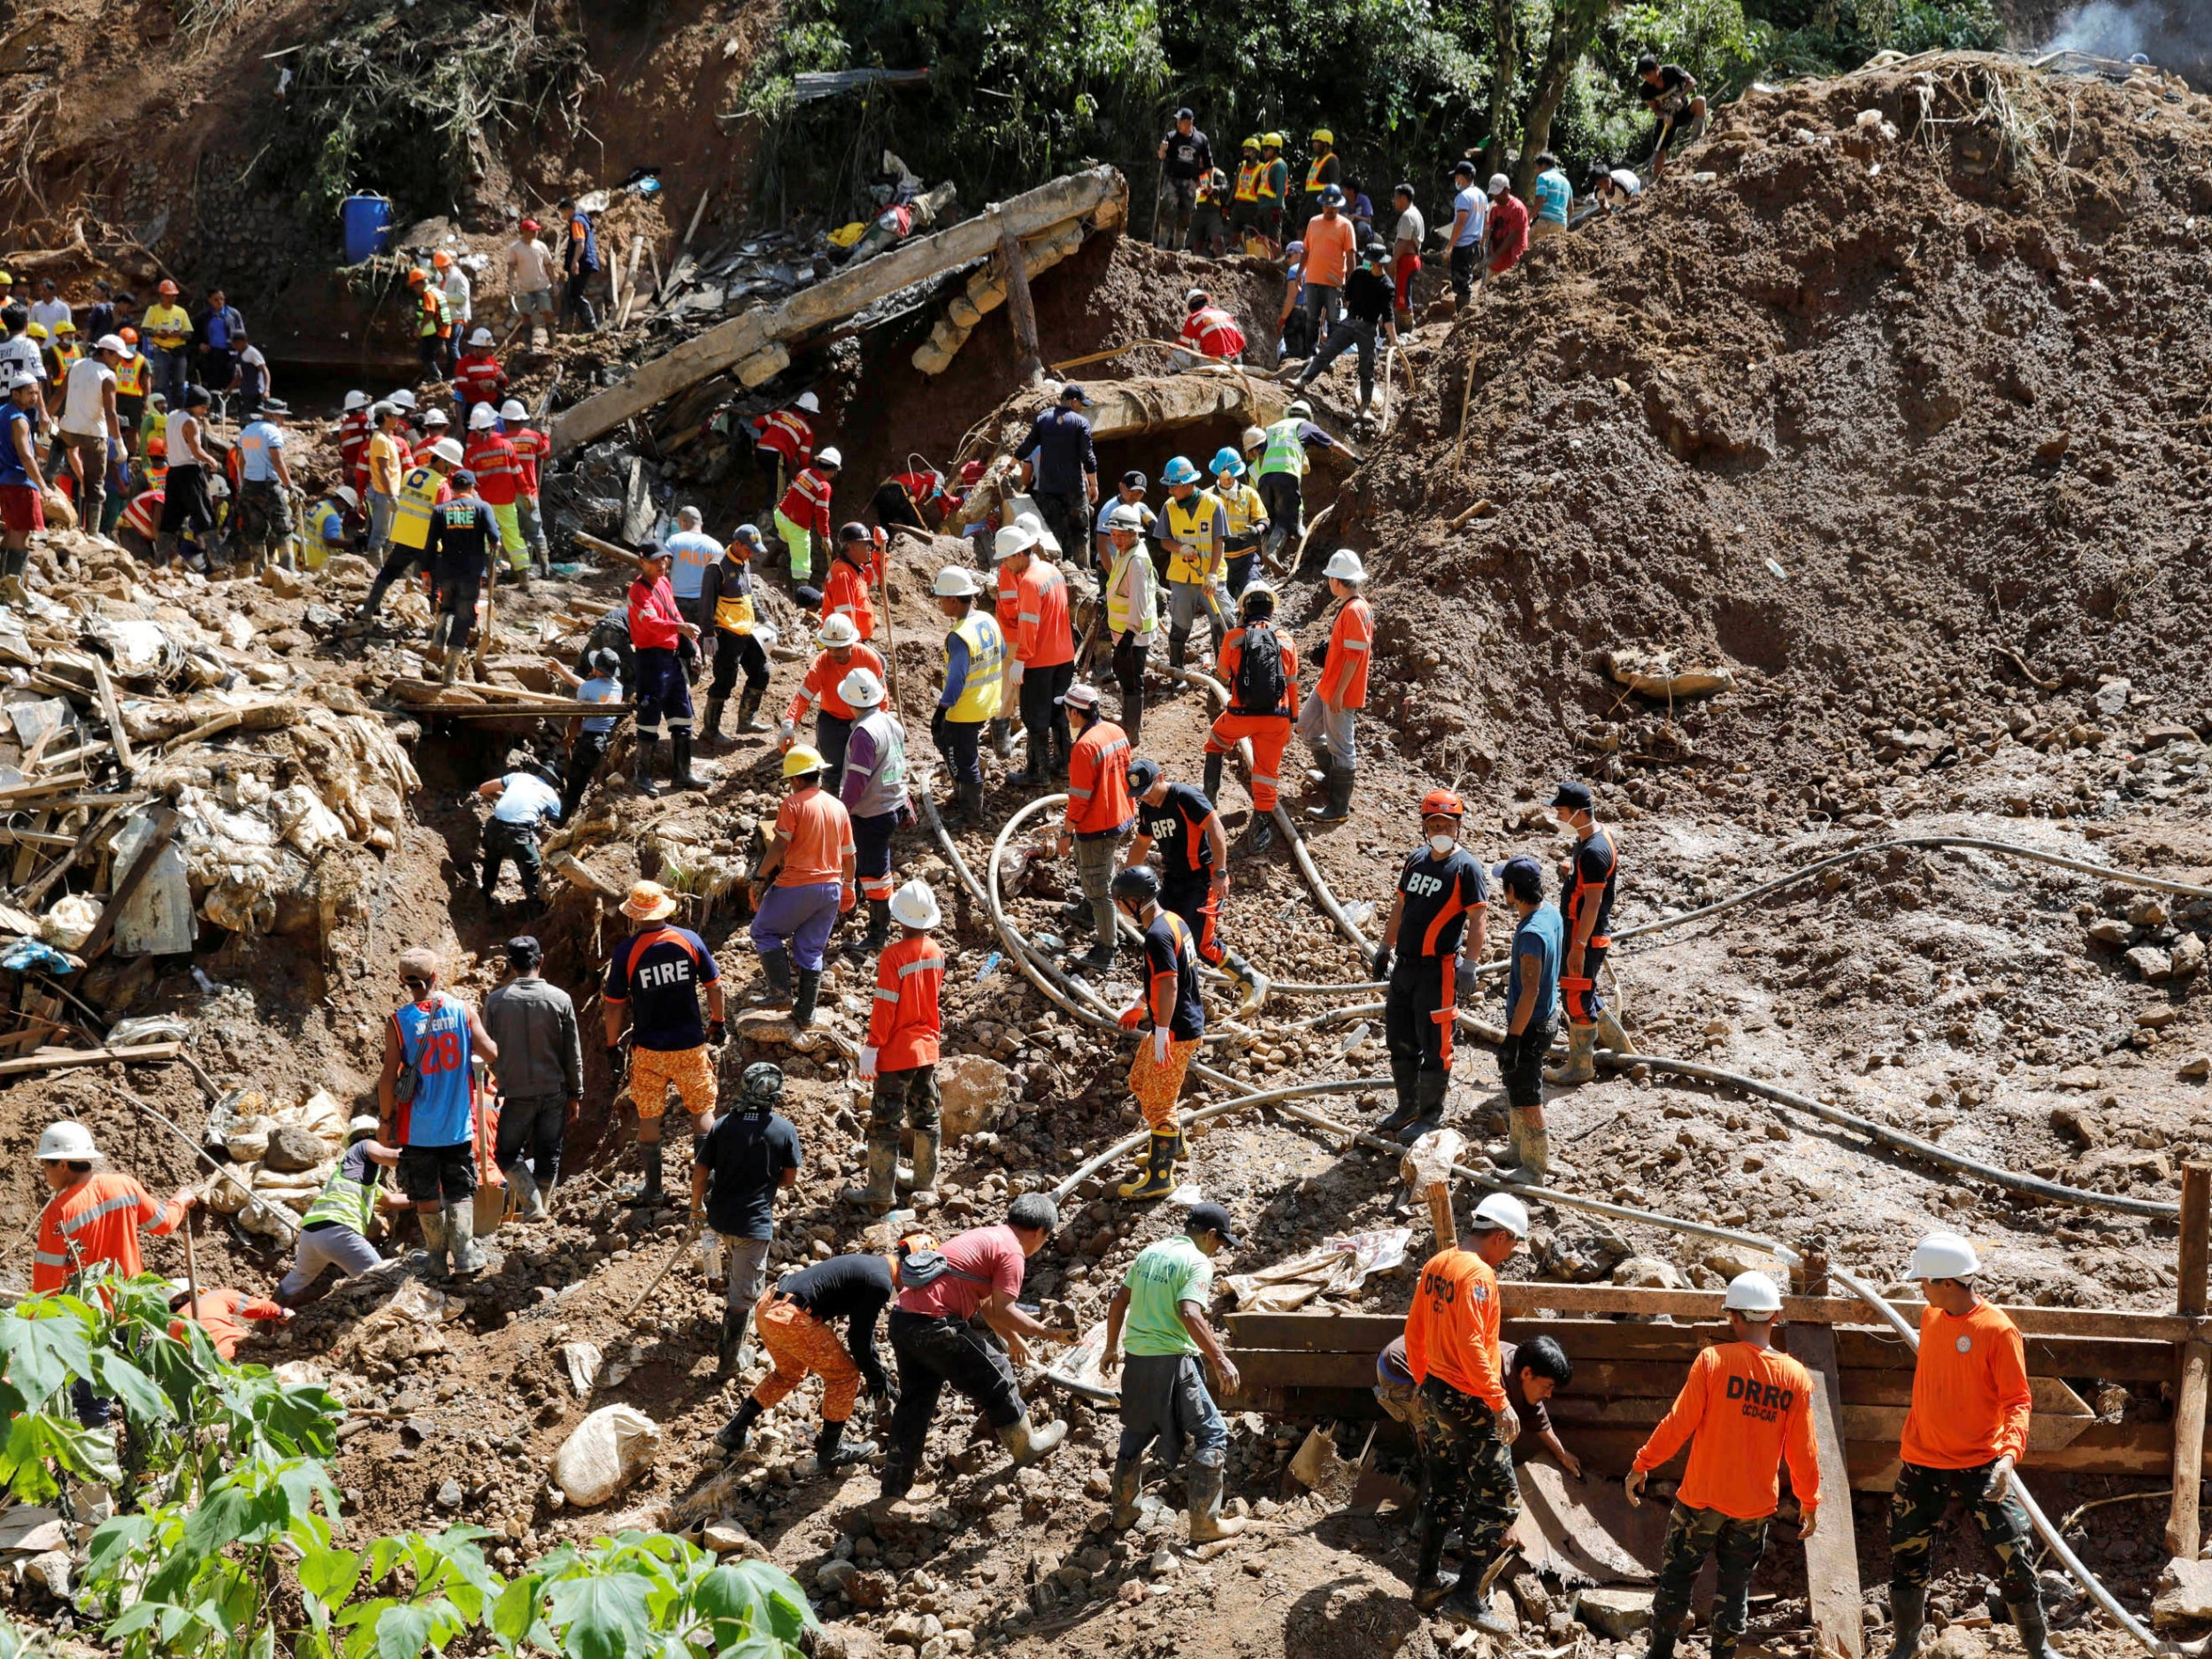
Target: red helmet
[(1442, 803)]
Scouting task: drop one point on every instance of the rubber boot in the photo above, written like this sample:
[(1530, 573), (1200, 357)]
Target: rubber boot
[(1663, 1638), (1157, 1179), (1178, 1149), (370, 606), (649, 1194), (1025, 1444), (533, 1205), (1428, 1098), (972, 800), (1610, 1032), (1259, 834), (1132, 717), (927, 1143), (1909, 1617), (831, 1454), (731, 1436), (1338, 806), (1177, 649), (1402, 1073), (460, 1227), (748, 709), (1128, 1482), (524, 1186), (1581, 1063), (451, 666), (1431, 1583), (1470, 1605), (1207, 1523), (729, 1348), (1001, 739), (642, 765), (1212, 785), (880, 1194), (710, 733), (802, 1004), (775, 968), (879, 933), (2035, 1634), (436, 1243), (679, 770), (1252, 985), (1532, 1148)]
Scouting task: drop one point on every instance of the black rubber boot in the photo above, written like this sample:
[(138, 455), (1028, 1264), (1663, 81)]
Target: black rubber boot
[(1132, 715), (1431, 1583), (775, 967), (370, 606), (2035, 1634), (642, 765), (830, 1452), (1467, 1605), (1177, 649), (1402, 1073), (649, 1194), (711, 730), (879, 933), (680, 776), (731, 1436), (1338, 806), (1212, 785), (748, 711), (803, 1005), (1428, 1094), (733, 1340), (1909, 1617), (1260, 834)]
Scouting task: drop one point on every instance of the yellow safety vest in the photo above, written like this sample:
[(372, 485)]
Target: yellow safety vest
[(1284, 452), (1270, 188), (130, 377), (980, 697), (1248, 180), (1315, 183), (1191, 523), (412, 507), (1240, 504), (733, 612)]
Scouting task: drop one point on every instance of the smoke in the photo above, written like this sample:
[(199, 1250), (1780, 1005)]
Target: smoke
[(2175, 34)]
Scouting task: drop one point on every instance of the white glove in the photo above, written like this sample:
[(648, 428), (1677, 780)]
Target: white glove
[(867, 1065), (1159, 1045), (785, 732)]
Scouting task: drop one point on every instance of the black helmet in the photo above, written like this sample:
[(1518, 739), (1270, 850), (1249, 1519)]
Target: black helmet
[(1137, 883)]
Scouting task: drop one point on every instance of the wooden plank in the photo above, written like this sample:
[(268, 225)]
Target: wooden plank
[(2193, 1361), (1832, 1553), (1020, 309), (140, 1053), (837, 297), (114, 712), (32, 896)]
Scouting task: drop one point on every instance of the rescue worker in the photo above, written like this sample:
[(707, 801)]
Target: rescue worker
[(1273, 193), (1132, 610), (1283, 467), (1195, 532), (975, 668), (386, 462), (663, 691), (532, 446), (491, 455), (1966, 1429), (1059, 466), (523, 804), (478, 380), (134, 380), (802, 513), (334, 1232), (1171, 1003), (426, 1100), (580, 263), (1128, 492), (744, 1161), (1178, 822), (326, 518), (1325, 722), (265, 489), (460, 307), (1244, 518), (1260, 668), (842, 653), (540, 1075), (434, 323), (589, 734), (1325, 169), (1587, 882), (1245, 201), (1210, 218), (1465, 1425), (653, 981), (1441, 895), (1159, 1314), (1041, 645), (853, 574), (797, 1322), (458, 554), (899, 1060), (1099, 813), (422, 488), (1209, 334), (1744, 1410), (785, 439), (1534, 1370), (726, 607), (960, 1324), (223, 1313), (1531, 1012), (873, 787), (804, 883)]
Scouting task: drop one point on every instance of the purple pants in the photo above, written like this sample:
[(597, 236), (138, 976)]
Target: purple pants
[(801, 918)]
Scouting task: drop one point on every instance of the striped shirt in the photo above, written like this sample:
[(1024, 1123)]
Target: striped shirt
[(94, 1223)]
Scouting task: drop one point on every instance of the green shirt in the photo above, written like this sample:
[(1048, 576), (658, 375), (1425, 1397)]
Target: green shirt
[(1172, 1270)]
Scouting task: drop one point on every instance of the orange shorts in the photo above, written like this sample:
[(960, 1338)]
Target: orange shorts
[(798, 1343), (1157, 1084), (653, 1069)]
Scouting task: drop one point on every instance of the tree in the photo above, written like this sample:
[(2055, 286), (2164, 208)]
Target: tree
[(1574, 23), (1505, 63)]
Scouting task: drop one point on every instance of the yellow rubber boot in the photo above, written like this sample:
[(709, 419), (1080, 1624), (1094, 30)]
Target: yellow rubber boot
[(1581, 1065), (1159, 1178)]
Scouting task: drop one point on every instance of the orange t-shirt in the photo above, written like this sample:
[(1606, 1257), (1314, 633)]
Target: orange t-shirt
[(1452, 1331), (1328, 250), (1971, 1399), (820, 688), (1351, 642), (904, 1026), (817, 836), (1750, 1409)]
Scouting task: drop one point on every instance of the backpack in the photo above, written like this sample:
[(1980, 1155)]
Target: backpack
[(1260, 670), (918, 1263)]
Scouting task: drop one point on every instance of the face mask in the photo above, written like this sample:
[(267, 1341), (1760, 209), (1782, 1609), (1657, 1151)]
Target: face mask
[(1442, 845)]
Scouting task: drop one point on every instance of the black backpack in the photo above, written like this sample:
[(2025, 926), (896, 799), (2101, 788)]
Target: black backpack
[(1260, 670)]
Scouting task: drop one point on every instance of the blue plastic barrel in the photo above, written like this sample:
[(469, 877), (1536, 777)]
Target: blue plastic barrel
[(368, 225)]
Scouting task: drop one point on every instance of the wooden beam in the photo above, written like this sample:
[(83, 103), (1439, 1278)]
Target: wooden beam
[(2194, 1362), (1832, 1553), (114, 712), (1021, 311), (140, 1053), (836, 298), (166, 822)]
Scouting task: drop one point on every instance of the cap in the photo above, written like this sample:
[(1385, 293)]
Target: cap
[(1500, 184), (828, 458), (524, 951), (1213, 1218), (762, 1084), (1522, 877), (1079, 697), (1143, 773), (1073, 394), (481, 419), (801, 759), (464, 480), (513, 410), (1573, 793), (1186, 114), (748, 536), (1014, 539), (109, 342), (531, 225), (17, 382), (1133, 479), (1463, 170)]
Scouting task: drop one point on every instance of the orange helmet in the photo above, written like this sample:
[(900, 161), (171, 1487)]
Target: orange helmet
[(417, 276), (167, 290), (1442, 803), (441, 259), (127, 336)]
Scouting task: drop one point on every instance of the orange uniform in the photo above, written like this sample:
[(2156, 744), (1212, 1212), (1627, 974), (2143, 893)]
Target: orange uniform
[(1268, 730), (846, 594), (1452, 1331), (96, 1222), (222, 1314), (1041, 636), (903, 1023), (479, 379), (1351, 642), (1749, 1411), (817, 836), (820, 688), (807, 502), (1970, 1400), (1098, 782)]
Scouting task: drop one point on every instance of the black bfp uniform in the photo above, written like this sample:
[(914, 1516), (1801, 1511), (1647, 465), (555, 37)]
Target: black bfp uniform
[(1423, 996)]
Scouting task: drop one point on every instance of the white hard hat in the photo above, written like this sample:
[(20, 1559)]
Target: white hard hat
[(362, 1127), (481, 419), (1503, 1210), (513, 410), (808, 402), (1015, 538), (838, 630), (433, 418), (914, 905), (344, 493), (954, 581), (1254, 436), (66, 1141), (1944, 1256), (861, 688), (1032, 523), (1125, 517), (481, 337), (356, 400), (829, 457), (449, 451), (111, 342), (404, 398), (1752, 1293), (1345, 566)]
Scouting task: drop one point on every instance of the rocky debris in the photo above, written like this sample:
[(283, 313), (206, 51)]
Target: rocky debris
[(1615, 1612), (2182, 1606), (972, 1093), (1649, 1272)]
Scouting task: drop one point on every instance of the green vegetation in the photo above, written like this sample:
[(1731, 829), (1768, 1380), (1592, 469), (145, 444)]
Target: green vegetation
[(233, 1544)]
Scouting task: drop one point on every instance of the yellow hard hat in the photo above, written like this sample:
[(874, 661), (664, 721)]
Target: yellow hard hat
[(1323, 135), (799, 757), (36, 331), (1273, 141), (1250, 143), (64, 326)]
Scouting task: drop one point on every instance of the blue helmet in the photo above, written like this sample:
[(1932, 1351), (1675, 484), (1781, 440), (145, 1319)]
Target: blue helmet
[(1178, 471), (1227, 460)]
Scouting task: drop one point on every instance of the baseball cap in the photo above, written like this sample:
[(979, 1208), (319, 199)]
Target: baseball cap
[(1143, 774), (1573, 793), (1213, 1218), (17, 382), (1522, 877), (1072, 394), (525, 951), (111, 342), (1079, 696), (1133, 479)]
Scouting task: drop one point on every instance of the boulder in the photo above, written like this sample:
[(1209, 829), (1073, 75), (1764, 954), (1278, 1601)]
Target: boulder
[(2152, 963), (2183, 1602), (1614, 1611), (1649, 1272), (1958, 1642), (292, 1150), (1731, 1260), (2196, 1067), (2188, 956), (1581, 1254), (971, 1092)]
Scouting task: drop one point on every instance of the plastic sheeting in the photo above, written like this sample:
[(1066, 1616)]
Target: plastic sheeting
[(1338, 1268)]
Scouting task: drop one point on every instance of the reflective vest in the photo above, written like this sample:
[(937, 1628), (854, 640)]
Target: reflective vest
[(883, 786), (498, 475), (734, 611), (980, 698), (1285, 453), (143, 514), (68, 353), (1191, 523), (477, 379), (531, 447), (348, 1203), (1315, 183), (130, 377), (1241, 507), (1132, 570), (1215, 333), (436, 319), (788, 433), (327, 522), (1248, 180), (411, 508), (1270, 188)]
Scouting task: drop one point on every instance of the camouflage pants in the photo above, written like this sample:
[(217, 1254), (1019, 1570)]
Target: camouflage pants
[(1917, 1508), (1467, 1472), (1735, 1546)]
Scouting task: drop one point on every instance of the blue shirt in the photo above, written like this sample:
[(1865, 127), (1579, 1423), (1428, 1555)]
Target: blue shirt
[(528, 799), (257, 447), (599, 688), (1475, 205), (956, 671), (695, 551), (434, 1038), (658, 973), (12, 471), (1543, 935), (1060, 440), (1554, 195), (215, 329)]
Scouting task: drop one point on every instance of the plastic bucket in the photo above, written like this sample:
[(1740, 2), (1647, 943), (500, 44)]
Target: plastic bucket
[(367, 221)]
